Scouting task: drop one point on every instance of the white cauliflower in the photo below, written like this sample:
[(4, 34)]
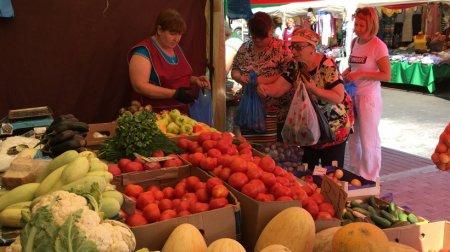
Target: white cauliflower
[(63, 221)]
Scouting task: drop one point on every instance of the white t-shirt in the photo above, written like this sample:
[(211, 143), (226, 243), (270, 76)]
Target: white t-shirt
[(364, 58)]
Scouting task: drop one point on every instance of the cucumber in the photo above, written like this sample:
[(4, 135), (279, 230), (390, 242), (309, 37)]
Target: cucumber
[(372, 210), (355, 203), (348, 216), (372, 202), (412, 218), (392, 207), (380, 221), (390, 217), (364, 206), (402, 216), (50, 181), (361, 210)]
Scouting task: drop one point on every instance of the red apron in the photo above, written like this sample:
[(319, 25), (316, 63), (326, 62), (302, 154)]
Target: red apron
[(170, 75)]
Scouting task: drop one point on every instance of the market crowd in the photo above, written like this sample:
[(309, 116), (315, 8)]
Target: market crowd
[(282, 67)]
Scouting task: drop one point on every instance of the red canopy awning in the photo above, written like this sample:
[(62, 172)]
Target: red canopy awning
[(402, 6)]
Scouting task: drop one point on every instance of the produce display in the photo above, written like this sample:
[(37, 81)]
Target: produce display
[(136, 133), (441, 155), (173, 123), (190, 195), (384, 215), (288, 157), (65, 133), (257, 177), (126, 165)]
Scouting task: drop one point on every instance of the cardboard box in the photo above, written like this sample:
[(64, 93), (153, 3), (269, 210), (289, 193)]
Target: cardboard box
[(213, 224), (106, 129), (148, 176), (426, 237), (256, 214)]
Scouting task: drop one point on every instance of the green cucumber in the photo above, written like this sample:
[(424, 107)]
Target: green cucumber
[(412, 218), (364, 206), (372, 210), (361, 210), (355, 203), (372, 202), (400, 224), (402, 216), (348, 216), (390, 217), (392, 207), (380, 221)]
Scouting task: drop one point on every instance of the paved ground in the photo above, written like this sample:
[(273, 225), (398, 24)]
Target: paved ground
[(410, 127)]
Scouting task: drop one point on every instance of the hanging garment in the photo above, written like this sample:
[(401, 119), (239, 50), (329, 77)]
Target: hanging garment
[(6, 9), (433, 19), (407, 31), (416, 23), (239, 9)]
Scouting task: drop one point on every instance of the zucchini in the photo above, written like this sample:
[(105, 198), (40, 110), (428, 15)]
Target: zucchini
[(50, 181), (75, 170), (21, 193), (60, 160), (380, 221), (372, 202), (402, 216), (10, 217)]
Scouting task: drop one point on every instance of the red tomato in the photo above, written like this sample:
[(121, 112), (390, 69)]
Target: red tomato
[(238, 165), (193, 146), (180, 190), (253, 171), (264, 197), (144, 199), (169, 192), (133, 166), (324, 216), (261, 188), (200, 185), (208, 144), (318, 197), (211, 182), (308, 190), (311, 206), (123, 163), (151, 212), (114, 169), (152, 166), (284, 198), (170, 163), (250, 190), (191, 181), (237, 180), (281, 190), (217, 170), (216, 136), (232, 150), (199, 207), (203, 137), (208, 163), (245, 145), (327, 207), (136, 220), (268, 178), (279, 171), (283, 180), (219, 191), (222, 146), (217, 203), (245, 151), (133, 190), (298, 193), (165, 204), (214, 153), (195, 158), (158, 153), (190, 197), (184, 213), (153, 188), (202, 195), (183, 143), (267, 164), (175, 203), (225, 160), (184, 205), (168, 214), (159, 195), (225, 173)]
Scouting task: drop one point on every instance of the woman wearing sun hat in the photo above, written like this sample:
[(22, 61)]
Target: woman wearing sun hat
[(323, 82)]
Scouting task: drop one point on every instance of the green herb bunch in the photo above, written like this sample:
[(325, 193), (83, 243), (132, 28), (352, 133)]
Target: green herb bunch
[(136, 133)]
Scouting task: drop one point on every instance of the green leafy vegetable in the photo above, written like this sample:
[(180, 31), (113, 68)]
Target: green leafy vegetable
[(71, 239), (136, 133)]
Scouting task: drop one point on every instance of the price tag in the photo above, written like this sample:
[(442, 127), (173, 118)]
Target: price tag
[(319, 170)]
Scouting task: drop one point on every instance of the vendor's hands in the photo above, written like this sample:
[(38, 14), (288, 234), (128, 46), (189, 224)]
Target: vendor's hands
[(203, 82), (183, 96)]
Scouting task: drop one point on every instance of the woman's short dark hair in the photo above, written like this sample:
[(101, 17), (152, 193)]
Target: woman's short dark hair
[(170, 20), (260, 25)]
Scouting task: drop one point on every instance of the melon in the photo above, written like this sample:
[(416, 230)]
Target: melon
[(322, 242), (185, 237), (293, 228), (276, 248), (360, 236), (225, 245)]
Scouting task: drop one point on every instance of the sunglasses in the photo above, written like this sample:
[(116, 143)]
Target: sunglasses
[(298, 47), (364, 11)]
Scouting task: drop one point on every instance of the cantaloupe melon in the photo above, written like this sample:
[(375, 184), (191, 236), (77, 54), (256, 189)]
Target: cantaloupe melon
[(276, 248), (293, 228), (225, 245), (360, 236), (187, 238), (322, 242)]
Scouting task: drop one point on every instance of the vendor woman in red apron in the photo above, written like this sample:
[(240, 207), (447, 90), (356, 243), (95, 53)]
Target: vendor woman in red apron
[(159, 72)]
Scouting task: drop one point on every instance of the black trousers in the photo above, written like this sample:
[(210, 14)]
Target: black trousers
[(311, 156)]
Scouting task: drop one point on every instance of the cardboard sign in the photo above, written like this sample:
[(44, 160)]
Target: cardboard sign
[(319, 170), (334, 194)]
